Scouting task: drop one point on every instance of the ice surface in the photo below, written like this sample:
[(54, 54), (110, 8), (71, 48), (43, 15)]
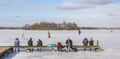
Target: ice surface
[(109, 42)]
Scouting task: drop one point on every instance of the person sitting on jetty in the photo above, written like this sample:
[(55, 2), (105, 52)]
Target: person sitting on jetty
[(85, 42), (91, 42), (17, 43), (69, 44), (30, 43), (59, 46), (39, 43)]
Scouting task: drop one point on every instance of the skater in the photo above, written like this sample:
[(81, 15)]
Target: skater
[(49, 36), (79, 32)]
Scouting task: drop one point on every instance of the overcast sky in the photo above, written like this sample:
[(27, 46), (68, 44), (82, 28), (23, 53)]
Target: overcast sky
[(92, 13)]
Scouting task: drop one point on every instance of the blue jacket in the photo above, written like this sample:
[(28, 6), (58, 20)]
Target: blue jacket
[(16, 43)]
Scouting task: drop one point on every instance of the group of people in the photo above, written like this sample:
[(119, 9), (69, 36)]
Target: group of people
[(86, 42), (69, 44), (30, 42), (67, 47)]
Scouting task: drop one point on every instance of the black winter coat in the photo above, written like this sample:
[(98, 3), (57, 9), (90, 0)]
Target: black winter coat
[(30, 43), (85, 41), (39, 43)]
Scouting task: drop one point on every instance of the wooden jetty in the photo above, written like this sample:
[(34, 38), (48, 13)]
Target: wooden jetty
[(29, 47), (5, 50), (96, 47)]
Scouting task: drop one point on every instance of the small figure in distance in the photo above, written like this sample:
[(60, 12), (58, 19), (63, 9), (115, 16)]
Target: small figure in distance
[(23, 36), (59, 46), (17, 43), (85, 42), (91, 42), (30, 43), (111, 31), (49, 36), (69, 44), (79, 32), (39, 43)]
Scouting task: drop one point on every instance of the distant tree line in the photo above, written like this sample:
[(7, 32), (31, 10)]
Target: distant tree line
[(11, 27), (55, 26), (51, 26)]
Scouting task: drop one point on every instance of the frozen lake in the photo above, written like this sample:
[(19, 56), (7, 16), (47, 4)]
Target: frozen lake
[(109, 42)]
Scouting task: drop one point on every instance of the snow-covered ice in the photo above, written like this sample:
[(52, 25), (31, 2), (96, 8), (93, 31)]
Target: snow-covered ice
[(109, 42)]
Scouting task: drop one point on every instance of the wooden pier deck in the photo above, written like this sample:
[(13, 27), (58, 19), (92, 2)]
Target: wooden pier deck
[(25, 46), (96, 47), (5, 50), (81, 46), (75, 46)]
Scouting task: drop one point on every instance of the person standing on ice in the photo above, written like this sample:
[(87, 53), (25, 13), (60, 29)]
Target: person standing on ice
[(23, 36), (85, 42), (79, 32), (69, 44), (49, 35)]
